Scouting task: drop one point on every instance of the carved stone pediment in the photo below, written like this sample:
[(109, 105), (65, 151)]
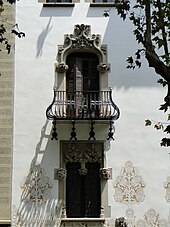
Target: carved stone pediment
[(82, 37), (82, 40)]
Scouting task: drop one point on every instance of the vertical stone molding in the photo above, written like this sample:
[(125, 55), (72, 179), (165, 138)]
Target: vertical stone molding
[(6, 114)]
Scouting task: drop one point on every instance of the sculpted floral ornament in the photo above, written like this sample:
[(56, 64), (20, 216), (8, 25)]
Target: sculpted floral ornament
[(105, 173), (36, 186), (151, 219), (103, 67), (129, 186), (61, 67), (60, 174), (167, 187)]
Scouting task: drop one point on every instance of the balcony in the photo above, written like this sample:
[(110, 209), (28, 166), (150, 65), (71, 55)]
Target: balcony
[(78, 105)]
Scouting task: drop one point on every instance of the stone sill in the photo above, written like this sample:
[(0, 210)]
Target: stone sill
[(60, 4), (102, 220), (102, 4)]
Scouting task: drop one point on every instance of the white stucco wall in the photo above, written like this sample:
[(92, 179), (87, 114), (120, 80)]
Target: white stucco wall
[(135, 92)]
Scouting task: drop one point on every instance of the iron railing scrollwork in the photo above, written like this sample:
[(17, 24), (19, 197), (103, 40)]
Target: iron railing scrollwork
[(88, 105)]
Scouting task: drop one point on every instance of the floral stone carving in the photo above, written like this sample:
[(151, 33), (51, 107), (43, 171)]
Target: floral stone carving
[(36, 186), (106, 173), (129, 186), (60, 174), (61, 67), (82, 152), (103, 67), (167, 187)]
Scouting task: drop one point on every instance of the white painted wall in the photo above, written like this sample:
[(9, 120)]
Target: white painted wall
[(135, 92)]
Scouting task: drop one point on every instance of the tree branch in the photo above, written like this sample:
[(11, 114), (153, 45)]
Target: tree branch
[(151, 56)]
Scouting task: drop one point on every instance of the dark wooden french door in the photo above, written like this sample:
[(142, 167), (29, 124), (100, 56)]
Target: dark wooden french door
[(83, 193)]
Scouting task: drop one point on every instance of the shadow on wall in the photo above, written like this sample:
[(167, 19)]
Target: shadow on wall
[(56, 12), (122, 44), (41, 39), (37, 207)]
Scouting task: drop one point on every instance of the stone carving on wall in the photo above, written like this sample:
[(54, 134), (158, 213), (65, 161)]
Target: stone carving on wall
[(60, 174), (129, 186), (37, 208), (167, 187), (82, 39), (106, 173), (37, 186), (83, 152), (151, 219), (103, 67), (61, 67)]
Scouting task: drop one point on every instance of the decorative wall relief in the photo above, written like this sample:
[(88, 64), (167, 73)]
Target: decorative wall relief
[(167, 187), (37, 208), (37, 186), (83, 39), (82, 152), (129, 186), (151, 219)]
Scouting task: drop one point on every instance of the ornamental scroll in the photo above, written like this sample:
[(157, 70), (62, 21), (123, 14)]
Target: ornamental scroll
[(83, 40)]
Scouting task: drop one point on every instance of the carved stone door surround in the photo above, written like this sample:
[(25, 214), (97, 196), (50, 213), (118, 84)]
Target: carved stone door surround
[(83, 152)]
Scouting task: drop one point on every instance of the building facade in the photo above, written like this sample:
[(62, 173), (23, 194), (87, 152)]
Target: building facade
[(82, 155)]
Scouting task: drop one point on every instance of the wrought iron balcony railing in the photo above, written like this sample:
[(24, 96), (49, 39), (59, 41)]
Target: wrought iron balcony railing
[(91, 105)]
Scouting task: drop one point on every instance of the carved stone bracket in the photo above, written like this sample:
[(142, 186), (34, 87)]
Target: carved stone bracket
[(60, 174), (103, 67), (106, 173), (61, 67)]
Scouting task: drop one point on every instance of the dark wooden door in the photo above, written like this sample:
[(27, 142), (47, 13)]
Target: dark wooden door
[(83, 197)]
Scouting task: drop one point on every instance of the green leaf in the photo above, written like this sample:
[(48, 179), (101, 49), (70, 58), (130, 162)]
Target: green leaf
[(148, 122), (168, 117), (163, 82), (165, 142), (164, 107), (167, 129)]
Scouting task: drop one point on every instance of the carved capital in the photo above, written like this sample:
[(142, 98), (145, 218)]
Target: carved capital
[(103, 67), (106, 173), (60, 174), (61, 67)]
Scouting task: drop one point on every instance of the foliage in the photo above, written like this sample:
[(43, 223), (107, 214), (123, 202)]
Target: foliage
[(151, 21), (4, 41)]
